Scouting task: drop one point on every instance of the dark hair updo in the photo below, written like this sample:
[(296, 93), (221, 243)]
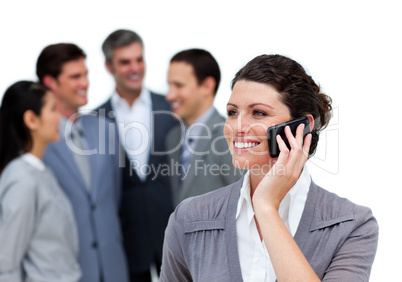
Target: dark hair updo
[(297, 89)]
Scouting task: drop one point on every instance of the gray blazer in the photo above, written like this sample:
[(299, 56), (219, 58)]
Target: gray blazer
[(207, 171), (337, 237), (96, 210), (38, 236)]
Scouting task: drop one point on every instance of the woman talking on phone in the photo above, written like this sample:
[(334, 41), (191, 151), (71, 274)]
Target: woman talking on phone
[(275, 222), (38, 238)]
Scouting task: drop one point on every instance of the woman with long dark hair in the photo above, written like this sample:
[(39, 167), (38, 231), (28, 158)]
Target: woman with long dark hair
[(38, 238)]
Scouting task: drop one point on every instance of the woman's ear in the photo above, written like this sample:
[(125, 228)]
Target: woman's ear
[(31, 120), (311, 120)]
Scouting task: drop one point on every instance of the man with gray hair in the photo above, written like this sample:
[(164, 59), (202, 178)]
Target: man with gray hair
[(143, 119)]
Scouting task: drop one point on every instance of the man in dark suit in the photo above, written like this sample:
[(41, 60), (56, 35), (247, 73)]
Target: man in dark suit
[(143, 119), (83, 165), (197, 146)]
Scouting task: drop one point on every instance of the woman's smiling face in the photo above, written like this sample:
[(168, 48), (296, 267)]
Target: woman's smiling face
[(252, 108)]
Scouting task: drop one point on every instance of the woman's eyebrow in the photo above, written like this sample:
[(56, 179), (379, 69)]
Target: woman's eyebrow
[(233, 105), (260, 104)]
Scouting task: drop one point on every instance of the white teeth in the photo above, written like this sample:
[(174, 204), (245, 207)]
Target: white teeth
[(242, 145), (175, 105), (82, 92), (134, 76)]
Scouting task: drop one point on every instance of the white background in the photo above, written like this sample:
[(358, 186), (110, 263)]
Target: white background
[(352, 49)]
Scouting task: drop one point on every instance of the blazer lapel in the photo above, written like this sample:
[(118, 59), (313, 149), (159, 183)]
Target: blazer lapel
[(91, 135), (106, 111), (65, 155), (155, 121), (175, 158), (306, 220), (157, 124), (230, 231)]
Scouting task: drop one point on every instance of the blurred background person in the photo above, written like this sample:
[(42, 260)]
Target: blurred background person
[(142, 119), (38, 235), (87, 173), (196, 146)]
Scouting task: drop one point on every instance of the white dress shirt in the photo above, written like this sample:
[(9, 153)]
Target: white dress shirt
[(135, 129), (255, 262), (34, 161)]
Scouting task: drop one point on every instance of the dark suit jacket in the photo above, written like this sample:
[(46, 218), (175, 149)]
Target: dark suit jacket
[(96, 210), (209, 169), (146, 206)]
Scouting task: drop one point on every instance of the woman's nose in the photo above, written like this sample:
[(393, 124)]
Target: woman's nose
[(243, 124)]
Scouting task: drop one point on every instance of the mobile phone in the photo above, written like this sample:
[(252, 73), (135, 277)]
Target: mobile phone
[(273, 131)]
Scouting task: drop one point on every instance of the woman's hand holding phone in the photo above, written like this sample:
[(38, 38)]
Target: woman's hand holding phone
[(286, 257), (286, 170)]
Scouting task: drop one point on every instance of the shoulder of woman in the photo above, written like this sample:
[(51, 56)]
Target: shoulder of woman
[(17, 183), (330, 205), (210, 206)]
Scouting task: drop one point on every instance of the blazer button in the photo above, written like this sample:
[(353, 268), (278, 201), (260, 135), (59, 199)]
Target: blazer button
[(93, 207), (95, 245)]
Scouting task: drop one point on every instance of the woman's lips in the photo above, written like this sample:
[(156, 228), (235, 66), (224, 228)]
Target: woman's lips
[(244, 144)]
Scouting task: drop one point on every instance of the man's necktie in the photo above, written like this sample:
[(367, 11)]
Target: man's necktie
[(185, 157)]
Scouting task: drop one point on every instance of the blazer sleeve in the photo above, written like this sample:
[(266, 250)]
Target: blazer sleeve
[(17, 221), (355, 257), (174, 267)]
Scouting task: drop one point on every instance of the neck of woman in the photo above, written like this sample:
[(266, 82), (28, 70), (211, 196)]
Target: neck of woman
[(256, 175), (38, 148)]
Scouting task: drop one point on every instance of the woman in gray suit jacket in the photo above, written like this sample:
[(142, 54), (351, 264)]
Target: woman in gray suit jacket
[(38, 237), (275, 222)]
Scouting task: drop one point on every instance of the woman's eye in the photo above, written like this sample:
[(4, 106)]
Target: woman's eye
[(231, 113), (259, 113)]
